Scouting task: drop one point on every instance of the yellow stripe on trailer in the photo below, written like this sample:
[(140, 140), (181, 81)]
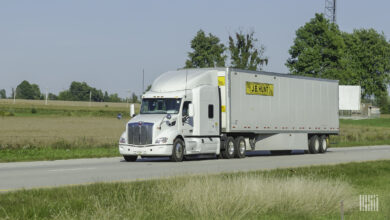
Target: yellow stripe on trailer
[(221, 80)]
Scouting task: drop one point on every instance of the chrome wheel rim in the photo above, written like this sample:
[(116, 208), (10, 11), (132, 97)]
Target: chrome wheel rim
[(179, 150), (242, 147), (324, 145), (317, 145), (231, 148)]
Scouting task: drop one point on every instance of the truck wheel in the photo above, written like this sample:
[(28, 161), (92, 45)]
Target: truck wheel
[(130, 158), (323, 144), (229, 148), (240, 147), (314, 145), (177, 150)]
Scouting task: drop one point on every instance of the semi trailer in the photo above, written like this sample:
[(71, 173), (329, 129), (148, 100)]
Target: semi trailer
[(227, 112)]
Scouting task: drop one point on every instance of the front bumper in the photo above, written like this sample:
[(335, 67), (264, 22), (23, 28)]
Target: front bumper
[(147, 150)]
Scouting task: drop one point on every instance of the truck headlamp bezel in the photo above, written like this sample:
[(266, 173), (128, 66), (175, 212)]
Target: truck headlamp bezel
[(161, 140)]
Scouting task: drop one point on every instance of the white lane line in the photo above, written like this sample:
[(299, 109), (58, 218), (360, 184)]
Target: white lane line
[(73, 169)]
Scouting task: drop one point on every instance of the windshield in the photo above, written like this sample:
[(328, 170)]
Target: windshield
[(160, 106)]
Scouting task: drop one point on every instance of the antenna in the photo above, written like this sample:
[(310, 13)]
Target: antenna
[(330, 10)]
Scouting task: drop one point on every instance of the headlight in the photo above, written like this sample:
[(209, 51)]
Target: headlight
[(161, 140), (122, 140)]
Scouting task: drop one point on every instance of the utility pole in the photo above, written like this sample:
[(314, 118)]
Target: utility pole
[(143, 81), (128, 99), (46, 98), (330, 10), (90, 98), (14, 90)]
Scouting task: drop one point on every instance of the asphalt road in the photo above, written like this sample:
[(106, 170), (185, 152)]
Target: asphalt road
[(81, 171)]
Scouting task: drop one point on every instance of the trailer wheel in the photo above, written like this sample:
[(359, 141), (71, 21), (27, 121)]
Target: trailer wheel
[(130, 158), (240, 147), (323, 144), (314, 145), (229, 148), (177, 150)]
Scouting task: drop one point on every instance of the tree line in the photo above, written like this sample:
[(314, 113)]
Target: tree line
[(320, 49), (78, 91)]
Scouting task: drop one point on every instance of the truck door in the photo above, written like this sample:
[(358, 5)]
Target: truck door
[(187, 122), (207, 111)]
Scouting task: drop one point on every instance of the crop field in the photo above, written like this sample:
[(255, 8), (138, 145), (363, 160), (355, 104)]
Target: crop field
[(31, 130), (312, 192), (363, 132), (62, 108)]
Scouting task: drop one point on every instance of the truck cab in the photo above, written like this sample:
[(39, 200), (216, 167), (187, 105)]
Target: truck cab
[(179, 116)]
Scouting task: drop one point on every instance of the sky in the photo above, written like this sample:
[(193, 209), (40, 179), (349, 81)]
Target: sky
[(108, 43)]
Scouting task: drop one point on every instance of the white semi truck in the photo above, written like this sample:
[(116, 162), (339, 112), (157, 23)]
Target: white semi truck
[(226, 112)]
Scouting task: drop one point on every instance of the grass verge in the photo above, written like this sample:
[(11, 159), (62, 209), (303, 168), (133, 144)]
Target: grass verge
[(50, 153), (302, 193)]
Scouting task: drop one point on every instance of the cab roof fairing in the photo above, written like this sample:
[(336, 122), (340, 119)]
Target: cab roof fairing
[(184, 79), (174, 94)]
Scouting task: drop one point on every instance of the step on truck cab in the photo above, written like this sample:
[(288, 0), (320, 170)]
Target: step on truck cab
[(226, 112)]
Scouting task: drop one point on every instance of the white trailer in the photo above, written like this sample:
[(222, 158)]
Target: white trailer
[(227, 112)]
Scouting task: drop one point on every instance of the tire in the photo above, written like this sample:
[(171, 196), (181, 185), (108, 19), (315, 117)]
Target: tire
[(314, 144), (130, 158), (230, 148), (178, 150), (323, 144), (240, 147)]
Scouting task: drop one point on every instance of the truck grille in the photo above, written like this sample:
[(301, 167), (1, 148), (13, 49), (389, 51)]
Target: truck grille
[(139, 133)]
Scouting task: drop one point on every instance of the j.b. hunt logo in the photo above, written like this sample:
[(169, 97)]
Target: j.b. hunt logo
[(369, 203)]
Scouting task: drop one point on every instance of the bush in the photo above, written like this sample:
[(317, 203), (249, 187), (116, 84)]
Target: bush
[(6, 113), (34, 111)]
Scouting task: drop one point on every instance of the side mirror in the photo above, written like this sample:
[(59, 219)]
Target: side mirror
[(132, 111), (191, 110)]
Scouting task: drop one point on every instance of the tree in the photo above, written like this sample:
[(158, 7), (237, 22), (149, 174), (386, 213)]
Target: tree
[(134, 98), (115, 98), (207, 52), (106, 97), (148, 88), (244, 53), (367, 56), (3, 94), (52, 96), (25, 90), (318, 50)]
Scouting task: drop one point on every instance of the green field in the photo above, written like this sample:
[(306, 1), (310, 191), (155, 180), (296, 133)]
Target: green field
[(298, 193), (29, 108), (363, 132), (31, 130)]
